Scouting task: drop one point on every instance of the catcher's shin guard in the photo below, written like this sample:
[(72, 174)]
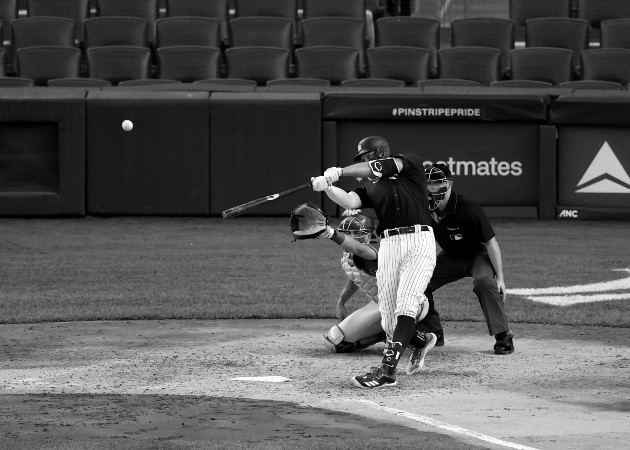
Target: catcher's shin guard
[(334, 341)]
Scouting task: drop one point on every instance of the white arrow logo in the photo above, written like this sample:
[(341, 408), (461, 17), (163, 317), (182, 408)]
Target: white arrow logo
[(605, 175), (582, 293)]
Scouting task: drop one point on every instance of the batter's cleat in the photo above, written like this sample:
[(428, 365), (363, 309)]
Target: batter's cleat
[(382, 376), (504, 344), (416, 359), (440, 338)]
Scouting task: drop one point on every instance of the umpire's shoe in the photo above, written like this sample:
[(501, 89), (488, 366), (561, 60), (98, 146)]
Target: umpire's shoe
[(382, 376), (504, 344), (416, 359), (440, 338)]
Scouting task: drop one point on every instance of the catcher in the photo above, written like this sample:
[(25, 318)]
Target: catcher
[(359, 260)]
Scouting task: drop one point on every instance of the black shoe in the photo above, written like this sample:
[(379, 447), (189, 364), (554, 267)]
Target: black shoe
[(383, 376), (504, 344), (440, 338)]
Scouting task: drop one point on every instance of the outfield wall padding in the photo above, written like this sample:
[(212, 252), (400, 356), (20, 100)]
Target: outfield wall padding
[(161, 166), (42, 152), (593, 155), (262, 144)]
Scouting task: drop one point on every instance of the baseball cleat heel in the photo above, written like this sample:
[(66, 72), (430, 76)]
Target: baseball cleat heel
[(383, 376), (416, 359), (504, 344)]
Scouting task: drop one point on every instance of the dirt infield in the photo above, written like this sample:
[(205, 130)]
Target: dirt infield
[(132, 384)]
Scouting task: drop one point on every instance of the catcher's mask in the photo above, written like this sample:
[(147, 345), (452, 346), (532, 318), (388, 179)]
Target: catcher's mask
[(372, 147), (358, 227), (438, 183)]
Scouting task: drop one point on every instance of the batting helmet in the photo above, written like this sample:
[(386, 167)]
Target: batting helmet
[(360, 227), (375, 147), (439, 178)]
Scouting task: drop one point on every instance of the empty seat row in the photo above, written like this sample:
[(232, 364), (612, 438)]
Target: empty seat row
[(399, 65)]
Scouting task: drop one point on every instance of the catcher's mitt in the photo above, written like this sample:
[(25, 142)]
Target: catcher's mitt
[(308, 221)]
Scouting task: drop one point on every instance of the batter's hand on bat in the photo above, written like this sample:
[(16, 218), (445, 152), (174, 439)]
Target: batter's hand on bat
[(319, 183), (333, 173)]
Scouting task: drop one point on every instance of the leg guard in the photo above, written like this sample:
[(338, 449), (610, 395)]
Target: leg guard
[(359, 330)]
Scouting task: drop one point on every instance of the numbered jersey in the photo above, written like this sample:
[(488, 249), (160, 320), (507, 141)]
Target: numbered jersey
[(365, 282)]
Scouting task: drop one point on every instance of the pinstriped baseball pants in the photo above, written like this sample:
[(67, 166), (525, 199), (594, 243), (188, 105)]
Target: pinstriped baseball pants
[(405, 266)]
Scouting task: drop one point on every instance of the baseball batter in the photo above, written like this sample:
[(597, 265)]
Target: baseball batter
[(396, 188)]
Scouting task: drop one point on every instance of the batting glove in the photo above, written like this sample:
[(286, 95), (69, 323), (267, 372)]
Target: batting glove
[(333, 174), (319, 183)]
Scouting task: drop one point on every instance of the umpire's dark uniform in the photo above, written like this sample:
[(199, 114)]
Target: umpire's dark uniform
[(461, 230)]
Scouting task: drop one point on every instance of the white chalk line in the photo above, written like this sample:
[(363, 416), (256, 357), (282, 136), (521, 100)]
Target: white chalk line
[(444, 425)]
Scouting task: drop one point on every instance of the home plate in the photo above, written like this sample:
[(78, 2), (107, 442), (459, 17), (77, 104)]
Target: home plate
[(269, 379)]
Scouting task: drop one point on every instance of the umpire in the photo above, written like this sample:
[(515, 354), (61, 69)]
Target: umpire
[(469, 249)]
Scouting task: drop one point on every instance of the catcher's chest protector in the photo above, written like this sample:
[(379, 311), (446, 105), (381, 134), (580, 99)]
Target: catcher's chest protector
[(365, 282)]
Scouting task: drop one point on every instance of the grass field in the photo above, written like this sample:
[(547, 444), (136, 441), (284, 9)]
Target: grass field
[(208, 268)]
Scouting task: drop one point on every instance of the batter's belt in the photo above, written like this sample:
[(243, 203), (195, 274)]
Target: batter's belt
[(404, 230)]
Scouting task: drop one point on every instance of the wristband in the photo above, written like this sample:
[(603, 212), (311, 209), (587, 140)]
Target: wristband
[(338, 238)]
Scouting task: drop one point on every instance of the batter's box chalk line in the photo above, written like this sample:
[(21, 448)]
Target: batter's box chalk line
[(444, 426), (267, 379)]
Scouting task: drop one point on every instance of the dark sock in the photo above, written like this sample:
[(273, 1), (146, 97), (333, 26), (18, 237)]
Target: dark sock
[(404, 331)]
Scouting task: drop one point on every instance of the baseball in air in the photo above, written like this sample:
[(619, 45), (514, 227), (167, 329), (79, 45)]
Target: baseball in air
[(127, 125)]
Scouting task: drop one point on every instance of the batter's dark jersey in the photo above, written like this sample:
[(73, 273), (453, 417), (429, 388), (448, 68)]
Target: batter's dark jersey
[(399, 201), (463, 228)]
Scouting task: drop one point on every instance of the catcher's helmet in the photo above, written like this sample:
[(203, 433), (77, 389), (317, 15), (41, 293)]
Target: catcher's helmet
[(360, 227), (438, 178), (375, 147)]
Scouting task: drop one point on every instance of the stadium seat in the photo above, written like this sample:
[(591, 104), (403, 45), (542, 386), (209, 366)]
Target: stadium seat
[(38, 31), (481, 64), (336, 31), (561, 32), (298, 85), (260, 64), (104, 31), (286, 9), (373, 82), (216, 9), (591, 85), (147, 82), (334, 8), (615, 33), (594, 11), (43, 63), (546, 64), (117, 63), (485, 32), (78, 82), (188, 30), (262, 31), (408, 64), (187, 63), (16, 82), (144, 9), (409, 31), (606, 64), (77, 10), (331, 63), (522, 10), (448, 82), (521, 84), (229, 84), (8, 13)]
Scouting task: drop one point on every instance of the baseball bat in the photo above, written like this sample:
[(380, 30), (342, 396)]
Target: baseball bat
[(240, 209)]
